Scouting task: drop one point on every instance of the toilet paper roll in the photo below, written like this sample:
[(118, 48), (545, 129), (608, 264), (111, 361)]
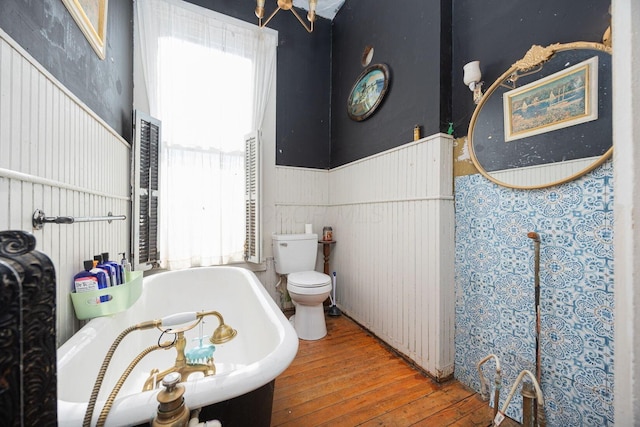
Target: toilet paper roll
[(308, 229)]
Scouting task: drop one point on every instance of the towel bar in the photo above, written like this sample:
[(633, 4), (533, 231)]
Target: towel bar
[(39, 219)]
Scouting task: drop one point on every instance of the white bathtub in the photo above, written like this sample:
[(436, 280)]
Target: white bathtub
[(264, 347)]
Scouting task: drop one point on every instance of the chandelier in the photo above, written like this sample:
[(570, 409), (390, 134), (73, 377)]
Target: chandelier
[(287, 5)]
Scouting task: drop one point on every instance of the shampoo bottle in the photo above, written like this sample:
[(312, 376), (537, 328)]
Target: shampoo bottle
[(117, 267), (91, 279), (111, 272)]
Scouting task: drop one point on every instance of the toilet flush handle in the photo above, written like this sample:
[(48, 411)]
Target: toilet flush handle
[(285, 244)]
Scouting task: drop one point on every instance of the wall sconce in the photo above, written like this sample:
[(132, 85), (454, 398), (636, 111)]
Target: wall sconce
[(287, 5), (472, 76)]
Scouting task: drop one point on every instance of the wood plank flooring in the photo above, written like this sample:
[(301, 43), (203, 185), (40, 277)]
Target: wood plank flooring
[(350, 379)]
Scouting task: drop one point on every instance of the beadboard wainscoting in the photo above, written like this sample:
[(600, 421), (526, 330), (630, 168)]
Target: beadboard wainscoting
[(393, 220), (301, 196), (59, 157), (392, 216), (544, 174)]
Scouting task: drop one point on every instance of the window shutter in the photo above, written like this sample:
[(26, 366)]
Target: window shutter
[(252, 170), (144, 199)]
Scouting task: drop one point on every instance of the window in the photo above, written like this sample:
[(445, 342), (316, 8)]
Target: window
[(207, 80)]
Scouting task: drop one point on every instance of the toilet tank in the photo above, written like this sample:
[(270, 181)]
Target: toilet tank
[(295, 252)]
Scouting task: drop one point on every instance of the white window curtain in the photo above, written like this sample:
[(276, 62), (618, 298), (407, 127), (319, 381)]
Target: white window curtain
[(208, 80)]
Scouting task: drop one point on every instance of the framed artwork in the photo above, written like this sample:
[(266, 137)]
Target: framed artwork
[(560, 100), (91, 17), (368, 92)]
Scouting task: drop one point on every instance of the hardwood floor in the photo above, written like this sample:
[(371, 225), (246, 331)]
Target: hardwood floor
[(350, 379)]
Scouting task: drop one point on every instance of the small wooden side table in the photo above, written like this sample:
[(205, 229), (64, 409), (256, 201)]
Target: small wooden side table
[(326, 251)]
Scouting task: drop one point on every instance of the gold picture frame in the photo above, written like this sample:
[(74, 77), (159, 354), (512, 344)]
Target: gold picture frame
[(91, 17), (566, 98)]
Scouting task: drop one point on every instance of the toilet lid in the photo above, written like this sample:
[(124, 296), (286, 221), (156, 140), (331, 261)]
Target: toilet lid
[(308, 279)]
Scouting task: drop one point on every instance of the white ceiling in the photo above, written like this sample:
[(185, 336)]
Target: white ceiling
[(326, 8)]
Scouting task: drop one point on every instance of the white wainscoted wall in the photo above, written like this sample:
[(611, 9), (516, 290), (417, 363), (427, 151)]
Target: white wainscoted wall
[(545, 174), (393, 219), (293, 197), (59, 157)]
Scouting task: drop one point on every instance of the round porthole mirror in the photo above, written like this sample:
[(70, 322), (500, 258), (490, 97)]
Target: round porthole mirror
[(548, 119)]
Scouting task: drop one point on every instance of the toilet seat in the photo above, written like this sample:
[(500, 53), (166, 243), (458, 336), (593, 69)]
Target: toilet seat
[(308, 279)]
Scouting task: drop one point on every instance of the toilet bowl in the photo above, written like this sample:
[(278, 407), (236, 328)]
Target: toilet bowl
[(295, 256), (308, 290)]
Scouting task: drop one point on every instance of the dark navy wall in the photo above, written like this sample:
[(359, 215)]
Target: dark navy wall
[(499, 32), (46, 30), (303, 92), (424, 42), (413, 38)]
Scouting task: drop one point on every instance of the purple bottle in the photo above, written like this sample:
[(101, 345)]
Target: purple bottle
[(112, 277), (117, 267)]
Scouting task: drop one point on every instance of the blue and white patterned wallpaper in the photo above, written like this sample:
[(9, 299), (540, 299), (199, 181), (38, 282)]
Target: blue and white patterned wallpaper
[(495, 293)]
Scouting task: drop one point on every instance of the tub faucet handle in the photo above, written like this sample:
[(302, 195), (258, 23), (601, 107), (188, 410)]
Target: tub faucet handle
[(171, 380)]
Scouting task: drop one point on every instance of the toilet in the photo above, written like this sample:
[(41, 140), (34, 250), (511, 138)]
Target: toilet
[(295, 256)]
